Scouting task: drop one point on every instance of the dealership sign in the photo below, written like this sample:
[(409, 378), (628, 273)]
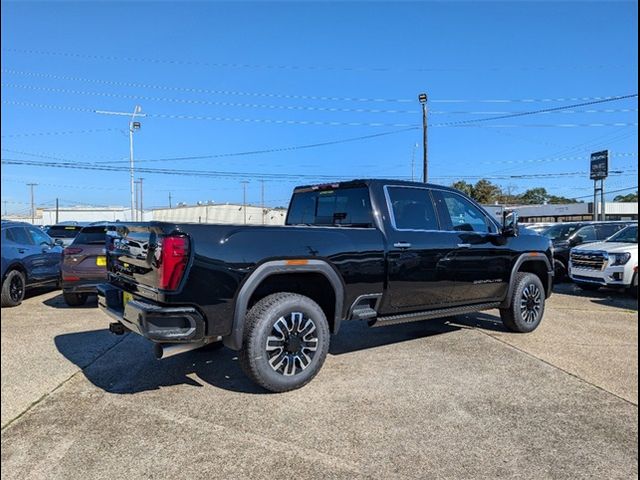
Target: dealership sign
[(599, 165)]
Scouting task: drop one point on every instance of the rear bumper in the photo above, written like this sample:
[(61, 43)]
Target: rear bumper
[(155, 322), (82, 286)]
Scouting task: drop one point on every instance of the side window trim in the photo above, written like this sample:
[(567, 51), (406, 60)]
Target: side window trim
[(392, 217)]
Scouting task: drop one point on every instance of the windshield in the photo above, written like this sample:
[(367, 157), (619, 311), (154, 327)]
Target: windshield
[(559, 232), (64, 231), (91, 236), (626, 235)]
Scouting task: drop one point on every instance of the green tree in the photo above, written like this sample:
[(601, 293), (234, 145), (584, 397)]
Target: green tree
[(630, 197), (486, 192), (464, 187), (534, 196)]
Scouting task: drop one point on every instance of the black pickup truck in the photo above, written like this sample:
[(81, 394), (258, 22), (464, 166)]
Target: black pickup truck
[(383, 251)]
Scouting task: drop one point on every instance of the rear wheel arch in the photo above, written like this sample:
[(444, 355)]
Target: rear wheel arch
[(262, 282), (16, 266)]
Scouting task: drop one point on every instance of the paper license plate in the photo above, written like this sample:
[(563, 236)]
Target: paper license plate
[(101, 261), (126, 298)]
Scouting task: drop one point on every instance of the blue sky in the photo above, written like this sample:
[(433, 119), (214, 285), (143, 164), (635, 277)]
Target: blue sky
[(224, 78)]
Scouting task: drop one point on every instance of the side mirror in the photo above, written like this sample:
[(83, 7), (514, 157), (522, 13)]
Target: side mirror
[(58, 242), (510, 224), (576, 240)]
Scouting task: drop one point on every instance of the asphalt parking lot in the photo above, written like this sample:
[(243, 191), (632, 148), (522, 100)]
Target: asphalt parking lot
[(450, 398)]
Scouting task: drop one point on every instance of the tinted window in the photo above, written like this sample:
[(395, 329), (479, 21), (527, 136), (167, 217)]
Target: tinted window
[(91, 235), (412, 209), (39, 237), (605, 231), (19, 235), (628, 235), (344, 206), (460, 214), (559, 232), (63, 231), (587, 233)]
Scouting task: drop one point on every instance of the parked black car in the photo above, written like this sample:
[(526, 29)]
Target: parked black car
[(384, 251), (30, 258), (567, 235)]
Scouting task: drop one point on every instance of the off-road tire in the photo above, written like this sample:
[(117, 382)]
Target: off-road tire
[(75, 299), (13, 289), (527, 304), (258, 362)]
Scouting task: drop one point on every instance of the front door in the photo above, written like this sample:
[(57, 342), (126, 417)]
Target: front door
[(480, 258)]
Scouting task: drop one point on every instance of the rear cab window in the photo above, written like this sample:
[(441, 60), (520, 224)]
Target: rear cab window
[(411, 208), (348, 206)]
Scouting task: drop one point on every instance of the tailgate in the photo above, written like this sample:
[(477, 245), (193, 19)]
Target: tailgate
[(133, 255)]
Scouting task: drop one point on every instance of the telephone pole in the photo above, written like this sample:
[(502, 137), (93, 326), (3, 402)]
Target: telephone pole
[(262, 199), (33, 209), (133, 125), (57, 210), (169, 199), (141, 200), (244, 199), (423, 101)]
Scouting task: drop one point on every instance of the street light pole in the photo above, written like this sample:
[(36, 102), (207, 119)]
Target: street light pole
[(423, 101), (33, 210), (244, 199), (133, 125)]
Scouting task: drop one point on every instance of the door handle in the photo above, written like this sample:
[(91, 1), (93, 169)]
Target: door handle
[(21, 250), (402, 245), (464, 245)]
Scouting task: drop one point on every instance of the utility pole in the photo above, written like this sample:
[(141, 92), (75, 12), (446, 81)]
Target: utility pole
[(244, 199), (135, 209), (262, 199), (423, 101), (169, 199), (133, 125), (141, 200), (413, 161), (57, 210), (33, 209), (5, 208)]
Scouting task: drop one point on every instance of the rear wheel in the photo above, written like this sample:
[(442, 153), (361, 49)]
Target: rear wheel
[(527, 304), (13, 289), (75, 299), (285, 343)]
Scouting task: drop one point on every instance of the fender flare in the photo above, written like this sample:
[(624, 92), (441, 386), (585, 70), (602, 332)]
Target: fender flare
[(234, 340), (528, 257)]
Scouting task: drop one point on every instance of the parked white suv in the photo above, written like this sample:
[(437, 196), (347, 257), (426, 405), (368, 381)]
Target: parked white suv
[(612, 263)]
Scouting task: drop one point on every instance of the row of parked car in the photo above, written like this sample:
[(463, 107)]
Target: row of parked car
[(70, 256), (594, 254)]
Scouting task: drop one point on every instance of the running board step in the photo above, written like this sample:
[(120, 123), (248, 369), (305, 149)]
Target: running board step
[(440, 313), (363, 313)]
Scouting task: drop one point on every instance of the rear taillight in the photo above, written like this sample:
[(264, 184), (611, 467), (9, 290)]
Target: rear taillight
[(173, 261), (72, 250)]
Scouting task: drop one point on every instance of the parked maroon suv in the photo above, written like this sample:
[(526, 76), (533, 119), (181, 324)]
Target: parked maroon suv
[(84, 265)]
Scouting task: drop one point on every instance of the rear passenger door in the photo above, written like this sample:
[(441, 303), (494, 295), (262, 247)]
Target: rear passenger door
[(48, 255), (416, 250)]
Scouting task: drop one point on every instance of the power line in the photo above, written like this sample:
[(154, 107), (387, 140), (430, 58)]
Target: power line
[(292, 96), (379, 69), (288, 107), (610, 192), (65, 132), (275, 176)]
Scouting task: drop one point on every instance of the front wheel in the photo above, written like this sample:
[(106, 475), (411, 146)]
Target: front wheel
[(13, 289), (527, 304), (286, 340)]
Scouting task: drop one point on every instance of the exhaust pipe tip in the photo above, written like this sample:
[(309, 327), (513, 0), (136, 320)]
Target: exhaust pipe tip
[(166, 350)]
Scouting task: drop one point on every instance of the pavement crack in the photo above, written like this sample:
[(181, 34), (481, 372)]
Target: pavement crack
[(556, 367), (61, 384)]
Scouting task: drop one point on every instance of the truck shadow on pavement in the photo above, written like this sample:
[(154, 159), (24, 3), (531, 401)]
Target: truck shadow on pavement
[(606, 297), (127, 365), (58, 302)]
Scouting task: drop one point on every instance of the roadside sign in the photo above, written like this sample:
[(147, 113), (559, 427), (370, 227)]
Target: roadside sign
[(599, 165)]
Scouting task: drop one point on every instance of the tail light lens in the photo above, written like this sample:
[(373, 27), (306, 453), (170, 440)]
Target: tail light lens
[(173, 261), (72, 250)]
